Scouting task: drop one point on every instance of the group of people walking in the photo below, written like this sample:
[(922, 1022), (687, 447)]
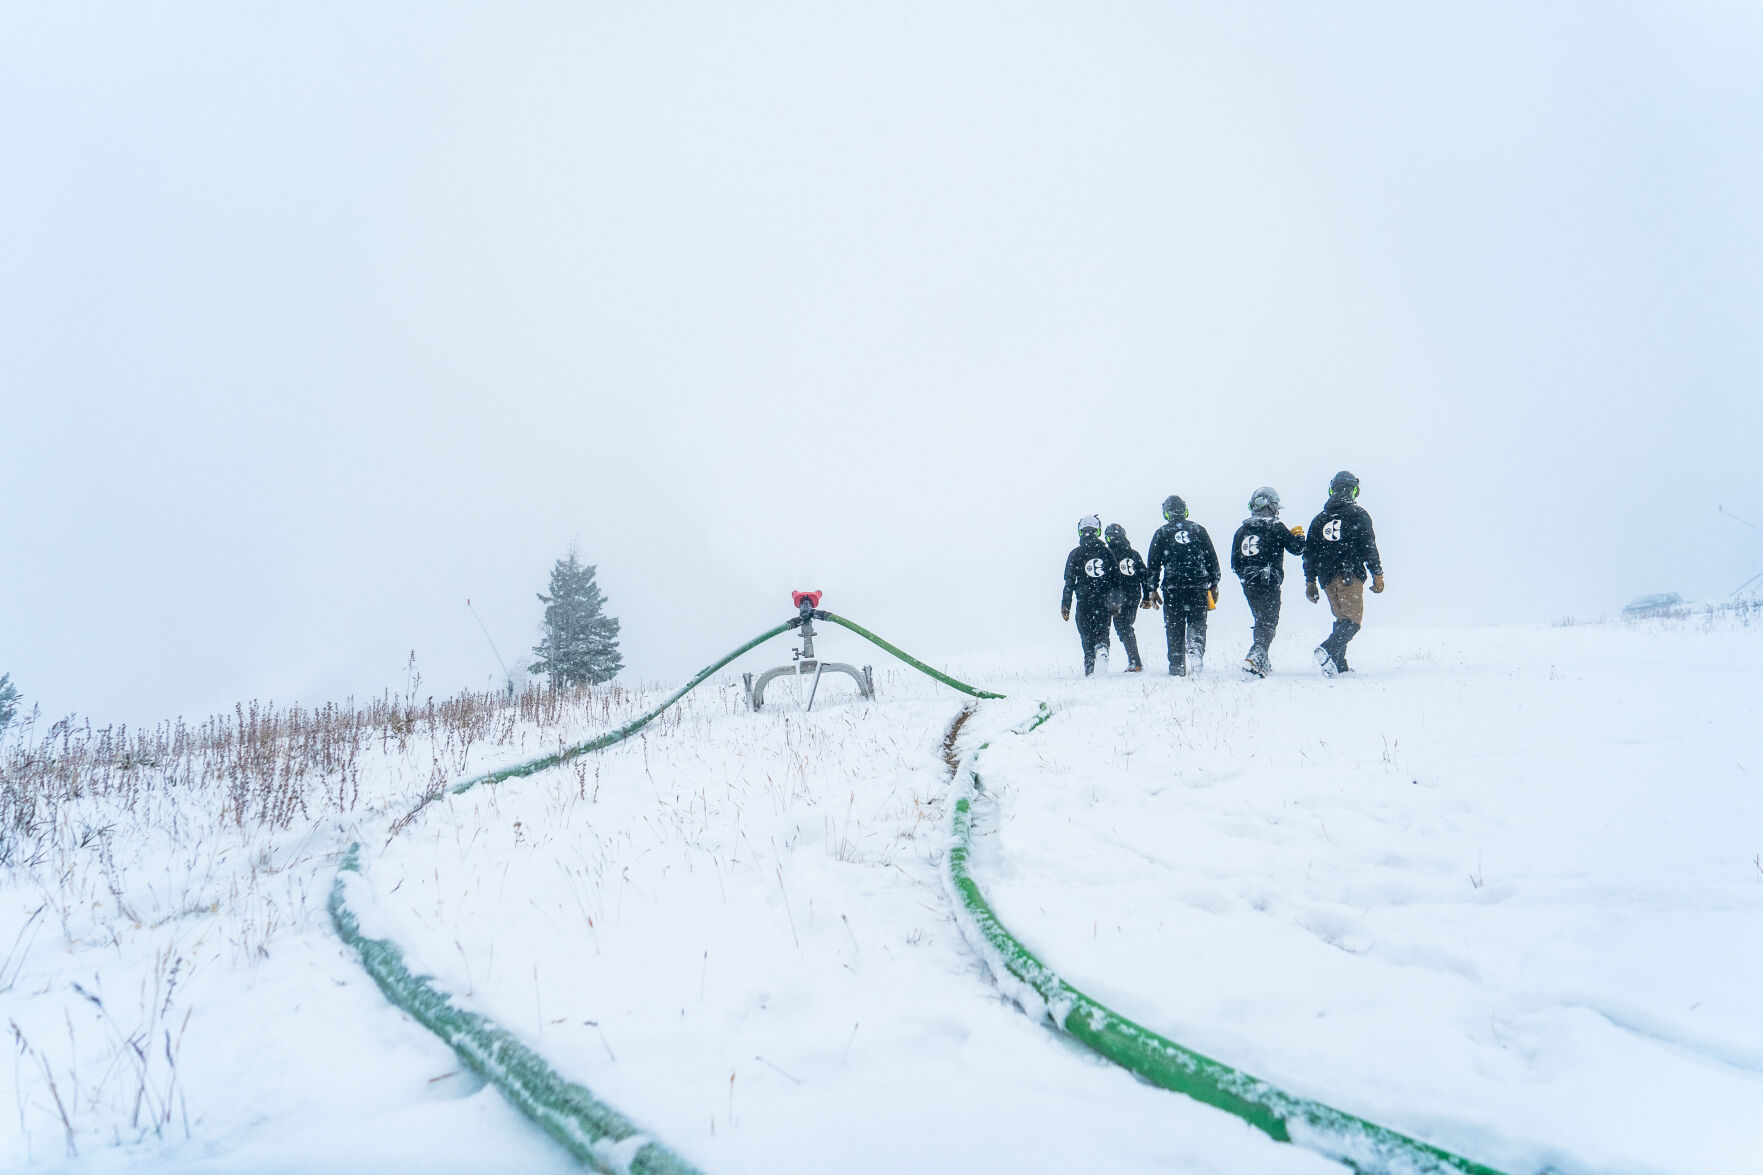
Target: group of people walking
[(1110, 582)]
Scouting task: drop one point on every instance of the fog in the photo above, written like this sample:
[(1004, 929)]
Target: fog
[(316, 320)]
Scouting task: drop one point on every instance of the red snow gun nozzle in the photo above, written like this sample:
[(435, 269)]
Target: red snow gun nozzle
[(806, 602)]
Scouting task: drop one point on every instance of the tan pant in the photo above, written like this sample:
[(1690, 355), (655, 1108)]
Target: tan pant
[(1346, 598)]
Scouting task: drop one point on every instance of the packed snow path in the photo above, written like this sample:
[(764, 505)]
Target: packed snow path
[(1464, 892)]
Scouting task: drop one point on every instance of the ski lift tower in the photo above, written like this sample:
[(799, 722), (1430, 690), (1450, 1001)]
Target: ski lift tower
[(804, 662)]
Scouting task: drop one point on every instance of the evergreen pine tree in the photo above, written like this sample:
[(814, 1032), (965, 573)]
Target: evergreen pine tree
[(580, 642), (8, 699)]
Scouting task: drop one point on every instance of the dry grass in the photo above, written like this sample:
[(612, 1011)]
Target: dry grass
[(265, 766), (154, 866), (134, 858)]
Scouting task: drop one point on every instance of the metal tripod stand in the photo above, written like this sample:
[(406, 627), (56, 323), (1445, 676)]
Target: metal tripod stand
[(804, 661)]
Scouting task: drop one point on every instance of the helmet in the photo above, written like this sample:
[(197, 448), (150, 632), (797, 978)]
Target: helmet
[(1265, 498), (1115, 533), (1173, 508), (1088, 522), (1343, 483)]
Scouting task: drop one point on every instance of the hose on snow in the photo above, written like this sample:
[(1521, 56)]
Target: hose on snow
[(1282, 1116), (600, 1136), (904, 656), (590, 1129)]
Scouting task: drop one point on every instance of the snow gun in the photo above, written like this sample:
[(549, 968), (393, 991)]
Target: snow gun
[(804, 662)]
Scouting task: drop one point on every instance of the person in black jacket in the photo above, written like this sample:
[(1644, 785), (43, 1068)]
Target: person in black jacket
[(1131, 592), (1340, 553), (1091, 577), (1258, 556), (1183, 567)]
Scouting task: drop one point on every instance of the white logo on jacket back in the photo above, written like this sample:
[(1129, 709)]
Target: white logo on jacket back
[(1126, 567), (1181, 536), (1331, 530), (1095, 569), (1251, 544)]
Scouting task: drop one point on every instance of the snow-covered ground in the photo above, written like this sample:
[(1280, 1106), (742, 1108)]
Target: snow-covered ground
[(1498, 889), (1501, 889)]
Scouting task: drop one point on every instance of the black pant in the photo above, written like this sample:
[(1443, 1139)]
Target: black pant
[(1336, 644), (1125, 610), (1264, 606), (1184, 623), (1092, 629)]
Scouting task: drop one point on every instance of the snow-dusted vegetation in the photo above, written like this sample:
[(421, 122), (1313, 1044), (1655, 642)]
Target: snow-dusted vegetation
[(163, 885)]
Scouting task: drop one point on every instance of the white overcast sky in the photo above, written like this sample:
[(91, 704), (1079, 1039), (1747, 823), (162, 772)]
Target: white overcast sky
[(316, 320)]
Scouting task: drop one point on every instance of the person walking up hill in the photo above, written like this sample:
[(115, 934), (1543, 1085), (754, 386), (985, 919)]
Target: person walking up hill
[(1131, 592), (1340, 553), (1258, 556), (1184, 565), (1090, 577)]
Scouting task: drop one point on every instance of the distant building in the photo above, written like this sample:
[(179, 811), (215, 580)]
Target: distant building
[(1659, 604)]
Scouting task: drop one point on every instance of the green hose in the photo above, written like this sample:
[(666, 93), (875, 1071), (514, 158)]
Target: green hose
[(904, 656), (617, 736), (591, 1130), (1283, 1117), (600, 1136), (588, 1128)]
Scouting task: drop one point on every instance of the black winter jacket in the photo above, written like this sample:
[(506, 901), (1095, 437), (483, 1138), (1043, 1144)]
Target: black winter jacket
[(1341, 542), (1182, 556), (1132, 579), (1090, 573), (1258, 551)]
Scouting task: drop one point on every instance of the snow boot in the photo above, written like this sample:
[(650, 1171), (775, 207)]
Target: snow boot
[(1256, 662), (1102, 660), (1325, 661)]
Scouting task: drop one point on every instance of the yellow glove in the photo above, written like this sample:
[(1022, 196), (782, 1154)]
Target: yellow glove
[(1298, 530), (1211, 599), (1377, 584), (1310, 592)]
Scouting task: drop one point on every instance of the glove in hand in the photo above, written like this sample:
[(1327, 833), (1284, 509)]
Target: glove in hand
[(1065, 613), (1310, 592), (1156, 600), (1377, 584), (1298, 530)]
